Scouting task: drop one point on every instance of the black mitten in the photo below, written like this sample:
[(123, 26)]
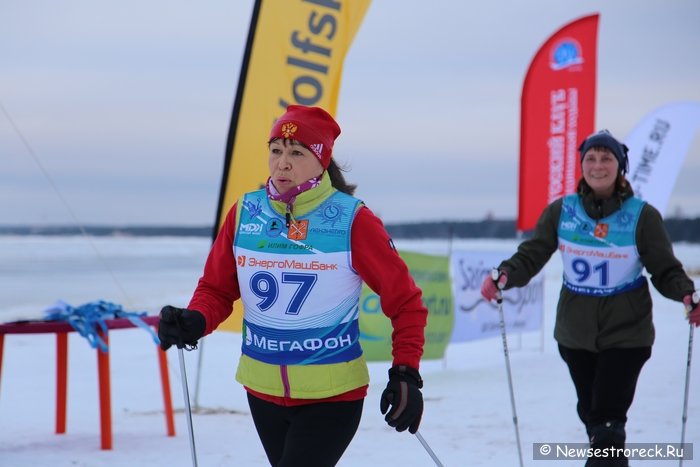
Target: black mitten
[(180, 327), (403, 394)]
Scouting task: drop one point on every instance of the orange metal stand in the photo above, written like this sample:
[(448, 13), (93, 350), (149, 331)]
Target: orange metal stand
[(103, 372), (61, 381)]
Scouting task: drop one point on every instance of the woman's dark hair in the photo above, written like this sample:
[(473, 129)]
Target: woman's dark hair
[(335, 172)]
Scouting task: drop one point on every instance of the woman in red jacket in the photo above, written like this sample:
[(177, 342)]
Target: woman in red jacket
[(296, 253)]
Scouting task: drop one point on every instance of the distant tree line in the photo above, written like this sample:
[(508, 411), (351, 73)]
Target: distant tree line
[(680, 230), (110, 230)]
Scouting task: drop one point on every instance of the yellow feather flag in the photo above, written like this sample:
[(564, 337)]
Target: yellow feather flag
[(294, 55)]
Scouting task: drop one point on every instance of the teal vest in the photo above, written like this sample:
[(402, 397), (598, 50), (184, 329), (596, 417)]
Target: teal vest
[(300, 294), (600, 258)]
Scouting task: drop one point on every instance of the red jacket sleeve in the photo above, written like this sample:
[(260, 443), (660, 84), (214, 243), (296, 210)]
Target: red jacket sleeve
[(218, 287), (375, 258)]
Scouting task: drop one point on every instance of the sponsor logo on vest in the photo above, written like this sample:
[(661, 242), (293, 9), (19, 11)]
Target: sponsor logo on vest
[(275, 345), (331, 213), (568, 225), (625, 219), (589, 290), (287, 264), (251, 229), (329, 232), (273, 228), (568, 210), (596, 253), (241, 261), (284, 246), (253, 210)]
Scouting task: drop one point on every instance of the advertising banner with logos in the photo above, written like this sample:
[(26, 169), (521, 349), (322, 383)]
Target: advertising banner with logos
[(474, 317), (431, 274), (658, 146)]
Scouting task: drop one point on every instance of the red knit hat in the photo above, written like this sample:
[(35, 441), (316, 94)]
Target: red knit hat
[(311, 126)]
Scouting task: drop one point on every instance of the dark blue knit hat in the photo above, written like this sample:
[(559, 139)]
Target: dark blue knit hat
[(605, 139)]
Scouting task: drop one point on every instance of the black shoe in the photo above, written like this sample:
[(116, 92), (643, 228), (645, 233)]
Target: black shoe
[(607, 435)]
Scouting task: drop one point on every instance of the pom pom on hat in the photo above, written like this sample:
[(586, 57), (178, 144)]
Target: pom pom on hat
[(605, 139), (311, 126)]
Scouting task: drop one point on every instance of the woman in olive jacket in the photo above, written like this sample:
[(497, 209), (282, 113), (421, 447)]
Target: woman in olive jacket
[(604, 327)]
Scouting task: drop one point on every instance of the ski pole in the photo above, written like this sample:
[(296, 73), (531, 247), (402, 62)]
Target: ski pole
[(427, 448), (695, 299), (495, 274), (188, 410)]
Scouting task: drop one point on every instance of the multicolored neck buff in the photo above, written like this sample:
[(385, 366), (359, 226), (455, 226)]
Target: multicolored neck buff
[(290, 196)]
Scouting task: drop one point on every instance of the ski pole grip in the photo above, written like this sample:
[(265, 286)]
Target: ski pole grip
[(495, 275), (694, 300)]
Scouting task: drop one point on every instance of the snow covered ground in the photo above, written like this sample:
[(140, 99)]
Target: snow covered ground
[(467, 420)]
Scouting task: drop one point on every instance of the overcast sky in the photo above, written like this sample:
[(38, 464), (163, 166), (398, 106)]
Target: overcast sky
[(126, 105)]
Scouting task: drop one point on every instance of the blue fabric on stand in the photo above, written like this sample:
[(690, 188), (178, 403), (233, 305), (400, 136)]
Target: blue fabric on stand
[(85, 319)]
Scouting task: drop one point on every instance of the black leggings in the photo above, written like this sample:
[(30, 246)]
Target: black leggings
[(605, 381), (314, 435)]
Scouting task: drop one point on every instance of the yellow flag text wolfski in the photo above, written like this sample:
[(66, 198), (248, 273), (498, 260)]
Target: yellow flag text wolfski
[(294, 55)]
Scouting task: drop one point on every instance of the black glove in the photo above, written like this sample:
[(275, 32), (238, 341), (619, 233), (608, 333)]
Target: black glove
[(403, 394), (180, 327)]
